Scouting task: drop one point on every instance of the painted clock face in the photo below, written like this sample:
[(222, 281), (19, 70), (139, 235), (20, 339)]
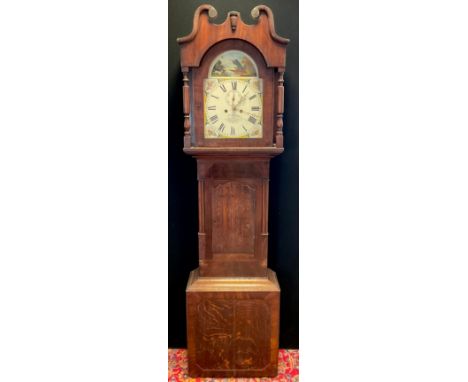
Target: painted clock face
[(233, 98)]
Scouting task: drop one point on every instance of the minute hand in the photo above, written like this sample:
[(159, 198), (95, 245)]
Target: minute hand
[(240, 101)]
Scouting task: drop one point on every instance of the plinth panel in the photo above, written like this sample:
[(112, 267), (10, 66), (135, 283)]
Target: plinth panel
[(233, 326)]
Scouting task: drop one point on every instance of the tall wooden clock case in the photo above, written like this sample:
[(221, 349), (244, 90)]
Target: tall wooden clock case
[(233, 125)]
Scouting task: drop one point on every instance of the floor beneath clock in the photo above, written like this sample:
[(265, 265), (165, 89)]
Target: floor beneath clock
[(288, 368)]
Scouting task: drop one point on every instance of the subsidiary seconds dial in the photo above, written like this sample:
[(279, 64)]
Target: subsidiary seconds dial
[(233, 107)]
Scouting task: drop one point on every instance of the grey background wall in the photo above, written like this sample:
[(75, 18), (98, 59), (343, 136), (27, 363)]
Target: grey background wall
[(283, 255)]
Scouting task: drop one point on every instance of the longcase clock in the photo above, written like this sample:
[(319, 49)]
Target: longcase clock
[(233, 125)]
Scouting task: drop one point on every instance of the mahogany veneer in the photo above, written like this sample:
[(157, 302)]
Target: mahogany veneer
[(233, 298)]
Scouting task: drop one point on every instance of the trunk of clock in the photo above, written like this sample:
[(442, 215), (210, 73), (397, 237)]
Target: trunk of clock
[(233, 326), (233, 216), (233, 298)]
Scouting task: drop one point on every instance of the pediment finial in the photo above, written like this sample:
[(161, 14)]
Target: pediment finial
[(233, 16)]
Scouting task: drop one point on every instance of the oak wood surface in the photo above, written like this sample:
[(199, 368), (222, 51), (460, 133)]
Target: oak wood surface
[(233, 206), (233, 298), (233, 326)]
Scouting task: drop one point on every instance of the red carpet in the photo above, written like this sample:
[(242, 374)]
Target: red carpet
[(288, 368)]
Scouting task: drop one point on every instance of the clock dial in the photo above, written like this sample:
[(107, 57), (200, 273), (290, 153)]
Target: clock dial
[(233, 107)]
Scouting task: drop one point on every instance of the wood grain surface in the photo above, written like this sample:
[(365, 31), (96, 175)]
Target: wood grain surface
[(233, 298)]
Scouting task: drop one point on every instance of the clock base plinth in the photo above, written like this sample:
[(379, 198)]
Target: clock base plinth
[(233, 326)]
